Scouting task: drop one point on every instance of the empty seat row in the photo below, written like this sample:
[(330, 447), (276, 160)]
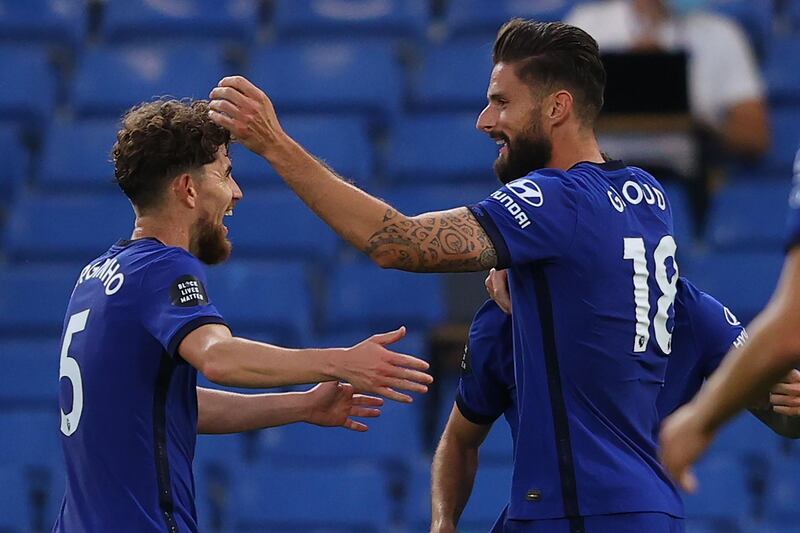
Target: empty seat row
[(315, 77), (271, 301)]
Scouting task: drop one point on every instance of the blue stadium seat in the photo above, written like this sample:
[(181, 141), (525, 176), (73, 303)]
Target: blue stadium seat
[(270, 297), (477, 18), (15, 511), (43, 21), (753, 16), (749, 215), (498, 445), (110, 80), (145, 20), (30, 375), (15, 167), (320, 498), (452, 77), (75, 227), (277, 224), (363, 296), (31, 98), (393, 439), (722, 494), (434, 149), (783, 82), (30, 437), (34, 299), (743, 281), (785, 140), (301, 19), (783, 492), (682, 218), (320, 78), (490, 494), (417, 199), (342, 142), (745, 437), (414, 343), (77, 155)]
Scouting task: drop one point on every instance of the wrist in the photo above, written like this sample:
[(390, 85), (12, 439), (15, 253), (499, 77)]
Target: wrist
[(276, 147)]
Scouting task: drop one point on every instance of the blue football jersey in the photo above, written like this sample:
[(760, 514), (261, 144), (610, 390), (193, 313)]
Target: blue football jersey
[(486, 388), (593, 277), (704, 331), (793, 238), (128, 401)]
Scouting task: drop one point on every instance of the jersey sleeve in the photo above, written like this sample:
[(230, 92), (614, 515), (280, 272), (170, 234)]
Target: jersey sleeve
[(793, 233), (715, 327), (482, 395), (530, 219), (174, 299)]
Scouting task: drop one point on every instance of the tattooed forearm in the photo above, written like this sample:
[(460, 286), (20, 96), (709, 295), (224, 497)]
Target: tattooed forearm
[(447, 241)]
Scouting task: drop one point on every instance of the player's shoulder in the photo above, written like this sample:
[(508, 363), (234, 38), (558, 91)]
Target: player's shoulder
[(489, 334), (157, 259), (488, 320), (701, 308)]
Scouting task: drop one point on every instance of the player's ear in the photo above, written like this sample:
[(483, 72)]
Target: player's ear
[(185, 189), (559, 106)]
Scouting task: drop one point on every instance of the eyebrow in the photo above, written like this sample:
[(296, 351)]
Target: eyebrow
[(494, 97), (228, 171)]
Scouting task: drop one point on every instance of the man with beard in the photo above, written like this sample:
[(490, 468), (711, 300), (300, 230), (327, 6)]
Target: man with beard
[(486, 389), (592, 274), (140, 324)]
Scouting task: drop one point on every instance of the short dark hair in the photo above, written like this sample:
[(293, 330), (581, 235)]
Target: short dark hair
[(160, 140), (555, 54)]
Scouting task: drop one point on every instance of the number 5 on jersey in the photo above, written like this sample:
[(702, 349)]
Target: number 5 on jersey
[(635, 251), (68, 368)]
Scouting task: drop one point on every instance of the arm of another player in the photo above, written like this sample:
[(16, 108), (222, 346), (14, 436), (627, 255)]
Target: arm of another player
[(745, 375), (328, 404), (368, 366), (455, 464), (446, 241)]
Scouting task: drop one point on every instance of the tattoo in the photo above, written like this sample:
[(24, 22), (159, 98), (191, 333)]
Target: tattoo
[(447, 241)]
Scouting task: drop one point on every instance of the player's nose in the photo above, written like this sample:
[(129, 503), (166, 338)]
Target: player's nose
[(485, 120), (236, 190)]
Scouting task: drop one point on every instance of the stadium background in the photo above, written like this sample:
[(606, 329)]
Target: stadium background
[(387, 91)]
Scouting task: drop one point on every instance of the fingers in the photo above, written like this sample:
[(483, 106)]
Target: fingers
[(407, 361), (391, 394), (354, 425), (405, 384), (793, 376), (788, 411), (364, 412), (388, 338), (687, 481), (363, 399), (412, 375), (223, 120), (224, 106), (241, 84), (792, 389), (231, 95), (784, 400)]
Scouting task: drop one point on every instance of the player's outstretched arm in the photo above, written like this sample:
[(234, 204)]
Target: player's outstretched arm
[(446, 241), (453, 471), (369, 366), (745, 375), (328, 404)]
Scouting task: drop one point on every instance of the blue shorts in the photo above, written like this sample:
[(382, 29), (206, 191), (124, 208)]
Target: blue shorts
[(610, 523)]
